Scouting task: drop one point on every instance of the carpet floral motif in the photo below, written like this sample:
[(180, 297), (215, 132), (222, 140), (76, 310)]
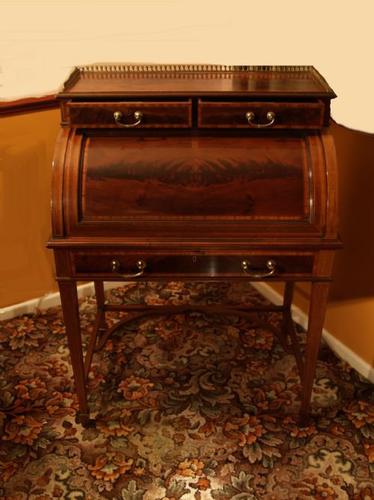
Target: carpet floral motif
[(187, 406)]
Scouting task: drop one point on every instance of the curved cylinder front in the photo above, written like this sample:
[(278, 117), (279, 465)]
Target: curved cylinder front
[(198, 187)]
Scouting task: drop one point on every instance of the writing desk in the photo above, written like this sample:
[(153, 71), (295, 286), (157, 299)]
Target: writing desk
[(194, 172)]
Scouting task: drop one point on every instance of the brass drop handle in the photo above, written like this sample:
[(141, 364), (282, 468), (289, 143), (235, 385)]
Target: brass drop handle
[(141, 265), (138, 115), (270, 116), (271, 269)]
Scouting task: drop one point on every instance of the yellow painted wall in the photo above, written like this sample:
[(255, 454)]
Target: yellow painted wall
[(26, 150), (350, 313), (26, 267)]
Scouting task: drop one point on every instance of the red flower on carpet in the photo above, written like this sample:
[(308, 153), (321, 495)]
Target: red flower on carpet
[(337, 429), (369, 452), (58, 327), (169, 335), (110, 467), (61, 403), (256, 367), (116, 425), (179, 438), (256, 436), (297, 431), (176, 286), (8, 469), (324, 492), (108, 347), (22, 333), (182, 423), (31, 389), (361, 414), (208, 428), (139, 471), (203, 484), (153, 299), (247, 429), (258, 339), (23, 429), (54, 367), (190, 467), (95, 377), (253, 431), (134, 388)]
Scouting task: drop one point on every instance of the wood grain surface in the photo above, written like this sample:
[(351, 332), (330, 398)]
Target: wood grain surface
[(195, 188)]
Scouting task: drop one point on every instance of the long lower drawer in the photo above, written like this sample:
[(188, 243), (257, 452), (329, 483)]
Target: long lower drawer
[(117, 265)]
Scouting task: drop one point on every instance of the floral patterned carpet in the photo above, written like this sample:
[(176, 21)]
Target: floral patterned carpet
[(187, 406)]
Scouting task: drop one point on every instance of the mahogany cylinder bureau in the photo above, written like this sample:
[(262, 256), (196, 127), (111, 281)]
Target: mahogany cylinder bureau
[(187, 172)]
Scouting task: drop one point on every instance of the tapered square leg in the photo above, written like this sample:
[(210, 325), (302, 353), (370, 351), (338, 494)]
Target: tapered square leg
[(100, 302), (288, 328), (317, 309), (287, 317), (70, 309)]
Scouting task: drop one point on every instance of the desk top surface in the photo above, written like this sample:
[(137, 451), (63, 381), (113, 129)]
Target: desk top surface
[(104, 80)]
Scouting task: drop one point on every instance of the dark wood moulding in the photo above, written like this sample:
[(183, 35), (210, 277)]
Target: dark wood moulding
[(28, 105)]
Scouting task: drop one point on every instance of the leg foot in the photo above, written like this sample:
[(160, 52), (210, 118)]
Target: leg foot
[(304, 419), (85, 420), (70, 309)]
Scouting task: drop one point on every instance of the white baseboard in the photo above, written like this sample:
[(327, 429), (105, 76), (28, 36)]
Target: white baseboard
[(50, 300), (299, 316)]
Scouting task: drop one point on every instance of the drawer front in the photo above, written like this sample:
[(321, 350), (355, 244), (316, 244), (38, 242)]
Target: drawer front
[(117, 265), (261, 115), (128, 115)]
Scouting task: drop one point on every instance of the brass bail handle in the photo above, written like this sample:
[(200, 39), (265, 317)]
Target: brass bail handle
[(270, 116), (138, 116), (140, 264), (270, 265)]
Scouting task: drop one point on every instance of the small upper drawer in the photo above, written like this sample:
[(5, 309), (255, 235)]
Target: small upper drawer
[(261, 115), (127, 115)]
